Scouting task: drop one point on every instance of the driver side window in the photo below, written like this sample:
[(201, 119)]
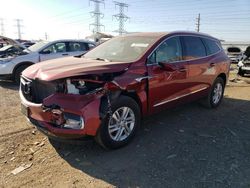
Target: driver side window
[(55, 48), (169, 51)]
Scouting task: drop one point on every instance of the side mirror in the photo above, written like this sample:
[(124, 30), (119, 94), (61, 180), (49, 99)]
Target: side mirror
[(45, 52), (167, 66)]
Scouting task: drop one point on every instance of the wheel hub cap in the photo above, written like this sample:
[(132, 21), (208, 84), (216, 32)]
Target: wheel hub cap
[(217, 93), (121, 123)]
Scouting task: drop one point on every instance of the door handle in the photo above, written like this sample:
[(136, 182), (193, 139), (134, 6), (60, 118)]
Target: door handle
[(212, 64), (65, 54)]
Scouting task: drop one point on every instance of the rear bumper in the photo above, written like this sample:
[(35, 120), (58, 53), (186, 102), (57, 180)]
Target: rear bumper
[(86, 107)]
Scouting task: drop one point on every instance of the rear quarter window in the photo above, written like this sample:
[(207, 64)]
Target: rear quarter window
[(211, 45), (193, 48)]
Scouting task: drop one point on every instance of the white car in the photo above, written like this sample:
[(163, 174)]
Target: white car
[(12, 65)]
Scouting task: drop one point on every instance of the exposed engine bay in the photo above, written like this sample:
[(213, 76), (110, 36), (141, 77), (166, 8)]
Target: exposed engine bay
[(11, 51)]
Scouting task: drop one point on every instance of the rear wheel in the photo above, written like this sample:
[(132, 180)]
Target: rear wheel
[(241, 72), (18, 72), (119, 127), (216, 93)]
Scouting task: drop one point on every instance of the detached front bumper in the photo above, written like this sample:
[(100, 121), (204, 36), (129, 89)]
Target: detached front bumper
[(86, 107)]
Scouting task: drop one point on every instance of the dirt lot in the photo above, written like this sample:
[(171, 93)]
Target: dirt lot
[(188, 146)]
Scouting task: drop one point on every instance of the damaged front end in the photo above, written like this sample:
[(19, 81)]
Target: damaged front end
[(71, 107)]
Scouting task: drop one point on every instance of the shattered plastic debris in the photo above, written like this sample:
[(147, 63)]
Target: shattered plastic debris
[(21, 168)]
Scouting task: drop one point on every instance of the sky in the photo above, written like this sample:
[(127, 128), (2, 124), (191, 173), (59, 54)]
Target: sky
[(225, 19)]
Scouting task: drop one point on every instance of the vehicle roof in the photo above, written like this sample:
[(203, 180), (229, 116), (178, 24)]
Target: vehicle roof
[(162, 34), (72, 40)]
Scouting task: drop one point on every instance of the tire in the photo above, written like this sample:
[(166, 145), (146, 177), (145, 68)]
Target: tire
[(18, 72), (241, 72), (112, 134), (211, 101)]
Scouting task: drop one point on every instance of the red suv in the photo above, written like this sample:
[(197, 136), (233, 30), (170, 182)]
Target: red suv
[(106, 92)]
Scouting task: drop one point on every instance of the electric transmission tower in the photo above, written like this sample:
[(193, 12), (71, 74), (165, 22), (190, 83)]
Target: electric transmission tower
[(97, 15), (19, 26), (121, 17), (2, 26), (198, 23)]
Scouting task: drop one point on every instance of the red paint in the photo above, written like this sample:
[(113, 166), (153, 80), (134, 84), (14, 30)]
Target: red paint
[(166, 84)]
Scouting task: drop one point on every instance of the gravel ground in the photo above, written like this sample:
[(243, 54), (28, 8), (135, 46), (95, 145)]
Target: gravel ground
[(188, 146)]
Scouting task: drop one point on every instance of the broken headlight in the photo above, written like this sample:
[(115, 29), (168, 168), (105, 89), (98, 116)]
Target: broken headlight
[(80, 86)]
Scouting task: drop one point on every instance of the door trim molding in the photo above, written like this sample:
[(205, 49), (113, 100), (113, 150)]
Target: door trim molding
[(181, 96)]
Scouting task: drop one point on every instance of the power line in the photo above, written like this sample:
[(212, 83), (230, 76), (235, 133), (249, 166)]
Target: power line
[(19, 26), (97, 15), (2, 26), (121, 17)]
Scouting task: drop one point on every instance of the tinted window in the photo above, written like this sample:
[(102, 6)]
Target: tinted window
[(211, 45), (233, 50), (56, 48), (77, 46), (194, 48), (169, 51)]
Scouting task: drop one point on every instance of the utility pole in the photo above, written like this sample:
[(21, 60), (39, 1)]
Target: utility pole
[(121, 17), (19, 26), (97, 15), (2, 26), (198, 22), (46, 36)]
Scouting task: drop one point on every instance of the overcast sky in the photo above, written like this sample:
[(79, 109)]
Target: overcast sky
[(224, 19)]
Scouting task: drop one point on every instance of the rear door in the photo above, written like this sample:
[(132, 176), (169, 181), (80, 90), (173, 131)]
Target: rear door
[(166, 85), (200, 72), (53, 51)]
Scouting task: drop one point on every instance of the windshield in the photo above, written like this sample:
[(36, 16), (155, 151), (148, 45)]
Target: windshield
[(38, 46), (5, 47), (122, 49)]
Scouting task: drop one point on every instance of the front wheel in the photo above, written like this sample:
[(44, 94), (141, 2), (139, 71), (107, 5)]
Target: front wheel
[(119, 127), (216, 93), (18, 73)]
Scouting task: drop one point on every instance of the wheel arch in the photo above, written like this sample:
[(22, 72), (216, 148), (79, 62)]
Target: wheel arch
[(223, 76), (134, 96), (21, 64)]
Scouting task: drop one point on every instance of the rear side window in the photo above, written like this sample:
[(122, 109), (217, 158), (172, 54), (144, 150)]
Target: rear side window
[(91, 46), (77, 46), (193, 48), (211, 45)]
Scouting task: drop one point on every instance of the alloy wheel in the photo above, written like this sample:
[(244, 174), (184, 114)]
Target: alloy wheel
[(121, 123), (217, 93)]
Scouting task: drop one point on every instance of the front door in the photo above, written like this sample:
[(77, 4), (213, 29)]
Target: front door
[(54, 51), (167, 74)]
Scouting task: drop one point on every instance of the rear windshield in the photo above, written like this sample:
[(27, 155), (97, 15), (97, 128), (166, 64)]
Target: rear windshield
[(122, 49), (234, 50)]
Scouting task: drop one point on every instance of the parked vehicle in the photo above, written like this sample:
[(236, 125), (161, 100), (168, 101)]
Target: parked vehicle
[(106, 92), (233, 53), (12, 65), (244, 63), (28, 44), (8, 50)]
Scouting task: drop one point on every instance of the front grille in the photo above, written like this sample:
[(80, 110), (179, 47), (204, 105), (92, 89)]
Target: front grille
[(36, 90)]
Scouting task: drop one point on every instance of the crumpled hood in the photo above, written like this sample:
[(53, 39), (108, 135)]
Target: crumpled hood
[(71, 66), (11, 42)]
